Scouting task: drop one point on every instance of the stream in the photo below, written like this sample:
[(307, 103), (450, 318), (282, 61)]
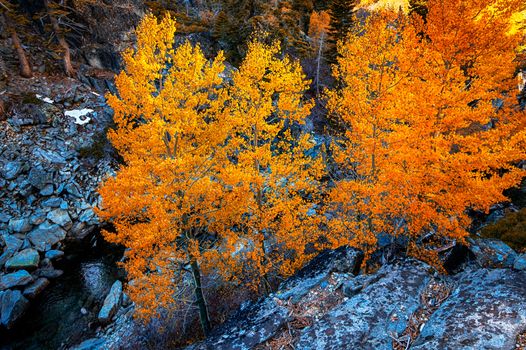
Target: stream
[(65, 313)]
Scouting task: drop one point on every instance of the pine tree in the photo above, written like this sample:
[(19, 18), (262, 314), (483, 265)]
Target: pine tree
[(342, 20), (418, 7)]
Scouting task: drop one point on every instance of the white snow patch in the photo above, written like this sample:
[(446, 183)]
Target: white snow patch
[(78, 113), (45, 99)]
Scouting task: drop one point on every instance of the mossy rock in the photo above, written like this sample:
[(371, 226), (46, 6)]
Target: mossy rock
[(511, 229), (30, 98)]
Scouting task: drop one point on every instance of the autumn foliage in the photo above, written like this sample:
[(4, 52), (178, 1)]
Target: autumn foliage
[(431, 125), (219, 177), (216, 177)]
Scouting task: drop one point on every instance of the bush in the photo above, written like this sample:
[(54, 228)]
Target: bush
[(511, 230)]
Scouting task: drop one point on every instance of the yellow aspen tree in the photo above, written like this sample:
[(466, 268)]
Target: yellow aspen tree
[(164, 197), (277, 176), (432, 124), (217, 179)]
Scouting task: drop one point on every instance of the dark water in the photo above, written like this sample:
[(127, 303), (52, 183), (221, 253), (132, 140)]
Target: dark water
[(55, 320)]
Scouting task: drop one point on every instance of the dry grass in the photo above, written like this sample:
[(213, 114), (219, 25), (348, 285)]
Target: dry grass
[(304, 313), (435, 293), (521, 341)]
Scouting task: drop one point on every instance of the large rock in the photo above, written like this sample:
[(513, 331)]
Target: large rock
[(12, 307), (11, 170), (60, 217), (492, 253), (12, 245), (39, 178), (36, 288), (46, 236), (111, 302), (520, 262), (20, 225), (250, 327), (260, 321), (19, 278), (382, 307), (343, 260), (25, 259), (487, 310)]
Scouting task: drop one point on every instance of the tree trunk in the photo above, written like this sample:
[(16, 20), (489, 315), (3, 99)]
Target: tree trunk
[(25, 68), (320, 53), (68, 68), (200, 299)]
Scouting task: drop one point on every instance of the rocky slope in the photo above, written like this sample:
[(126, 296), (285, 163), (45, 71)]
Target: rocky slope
[(47, 185), (403, 305)]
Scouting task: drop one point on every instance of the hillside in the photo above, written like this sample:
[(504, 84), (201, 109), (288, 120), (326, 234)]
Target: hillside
[(246, 174)]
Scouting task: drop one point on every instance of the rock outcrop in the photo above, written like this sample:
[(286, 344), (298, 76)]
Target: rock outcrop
[(403, 305), (111, 303)]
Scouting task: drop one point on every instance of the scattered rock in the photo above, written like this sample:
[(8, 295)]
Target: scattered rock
[(40, 178), (53, 202), (25, 259), (11, 170), (91, 344), (19, 278), (49, 272), (36, 288), (12, 307), (111, 303), (20, 225), (12, 243), (46, 236), (60, 217), (54, 254)]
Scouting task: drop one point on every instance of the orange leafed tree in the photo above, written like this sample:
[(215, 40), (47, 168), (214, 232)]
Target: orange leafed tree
[(431, 124), (278, 179), (215, 179)]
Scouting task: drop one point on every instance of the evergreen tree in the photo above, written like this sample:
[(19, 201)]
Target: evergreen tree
[(419, 7), (342, 18)]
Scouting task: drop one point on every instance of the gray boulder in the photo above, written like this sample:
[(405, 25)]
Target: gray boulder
[(46, 236), (12, 307), (261, 321), (19, 278), (487, 310), (492, 253), (520, 262), (20, 225), (25, 259), (60, 217), (11, 170), (111, 302), (343, 260), (366, 320), (36, 287)]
